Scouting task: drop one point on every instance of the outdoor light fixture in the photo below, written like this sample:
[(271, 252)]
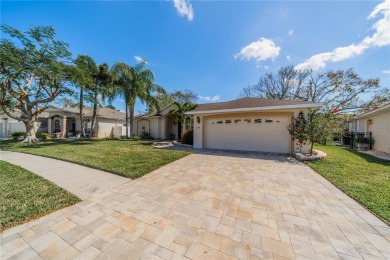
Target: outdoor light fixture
[(301, 114), (370, 121), (198, 119)]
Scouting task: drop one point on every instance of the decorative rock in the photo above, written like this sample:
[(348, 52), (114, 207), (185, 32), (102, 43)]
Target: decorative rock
[(317, 155)]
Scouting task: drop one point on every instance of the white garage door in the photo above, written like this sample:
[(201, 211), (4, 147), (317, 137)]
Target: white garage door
[(250, 133)]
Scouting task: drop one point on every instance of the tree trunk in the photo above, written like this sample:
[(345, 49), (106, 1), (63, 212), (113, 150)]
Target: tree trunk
[(30, 131), (127, 121), (82, 124), (95, 104), (311, 148), (131, 120)]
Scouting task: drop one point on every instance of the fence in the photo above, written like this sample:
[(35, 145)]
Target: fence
[(365, 136)]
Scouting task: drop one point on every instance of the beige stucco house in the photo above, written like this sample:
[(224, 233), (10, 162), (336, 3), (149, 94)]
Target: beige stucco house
[(159, 124), (376, 121), (248, 124), (66, 121)]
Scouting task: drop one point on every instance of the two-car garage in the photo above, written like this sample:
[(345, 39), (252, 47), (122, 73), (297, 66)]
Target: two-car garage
[(249, 124), (260, 132)]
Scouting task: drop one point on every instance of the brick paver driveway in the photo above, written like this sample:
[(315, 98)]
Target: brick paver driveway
[(221, 205)]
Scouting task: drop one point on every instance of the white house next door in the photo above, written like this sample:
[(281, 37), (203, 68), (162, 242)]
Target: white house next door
[(249, 133)]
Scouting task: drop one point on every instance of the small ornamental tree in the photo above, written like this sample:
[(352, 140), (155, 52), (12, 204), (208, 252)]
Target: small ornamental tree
[(299, 130)]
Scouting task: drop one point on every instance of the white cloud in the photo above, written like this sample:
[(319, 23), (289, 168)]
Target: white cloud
[(266, 67), (386, 71), (119, 100), (288, 57), (381, 37), (259, 50), (139, 59), (290, 32), (184, 8), (213, 99)]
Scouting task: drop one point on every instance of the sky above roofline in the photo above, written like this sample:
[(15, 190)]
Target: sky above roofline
[(217, 48)]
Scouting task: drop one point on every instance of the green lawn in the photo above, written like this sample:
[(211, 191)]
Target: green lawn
[(131, 159), (362, 177), (25, 196)]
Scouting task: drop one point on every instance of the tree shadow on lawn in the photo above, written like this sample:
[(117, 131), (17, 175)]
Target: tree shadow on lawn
[(369, 158), (11, 144)]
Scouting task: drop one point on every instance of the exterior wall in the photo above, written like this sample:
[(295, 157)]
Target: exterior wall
[(380, 129), (199, 128), (151, 125), (105, 127)]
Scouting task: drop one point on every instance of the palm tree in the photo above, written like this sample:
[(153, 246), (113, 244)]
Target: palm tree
[(179, 111), (85, 70), (132, 83), (102, 80)]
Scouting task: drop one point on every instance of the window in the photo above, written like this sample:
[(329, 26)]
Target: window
[(257, 121), (43, 124), (248, 121), (57, 126), (236, 121), (228, 121), (269, 121)]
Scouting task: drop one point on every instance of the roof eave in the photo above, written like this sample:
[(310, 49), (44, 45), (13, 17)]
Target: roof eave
[(248, 109), (373, 112)]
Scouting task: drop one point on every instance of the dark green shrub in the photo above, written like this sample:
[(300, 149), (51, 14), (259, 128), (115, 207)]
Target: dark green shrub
[(188, 137)]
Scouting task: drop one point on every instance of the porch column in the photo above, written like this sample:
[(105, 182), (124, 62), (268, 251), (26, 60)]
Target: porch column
[(49, 125), (63, 129)]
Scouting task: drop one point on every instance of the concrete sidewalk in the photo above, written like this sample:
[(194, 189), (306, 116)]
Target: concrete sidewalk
[(82, 181)]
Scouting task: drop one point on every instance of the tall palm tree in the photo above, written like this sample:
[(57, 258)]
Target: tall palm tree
[(132, 83), (178, 111), (102, 80), (85, 70)]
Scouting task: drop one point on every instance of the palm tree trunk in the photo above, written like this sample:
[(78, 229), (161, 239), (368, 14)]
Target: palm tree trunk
[(127, 121), (82, 112), (131, 119), (95, 104)]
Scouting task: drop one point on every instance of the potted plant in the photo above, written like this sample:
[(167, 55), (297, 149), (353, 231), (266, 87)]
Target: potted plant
[(77, 134), (46, 136), (17, 135)]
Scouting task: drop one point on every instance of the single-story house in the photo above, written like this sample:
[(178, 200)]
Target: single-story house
[(248, 124), (66, 121), (376, 121), (158, 124)]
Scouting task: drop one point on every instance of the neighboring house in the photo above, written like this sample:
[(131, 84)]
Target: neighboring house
[(376, 121), (158, 124), (66, 121), (248, 124)]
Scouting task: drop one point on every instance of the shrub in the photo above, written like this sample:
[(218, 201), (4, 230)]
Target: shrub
[(363, 140), (46, 135), (17, 134), (188, 137), (147, 136), (137, 137)]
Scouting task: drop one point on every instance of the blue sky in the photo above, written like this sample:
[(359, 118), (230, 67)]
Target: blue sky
[(217, 48)]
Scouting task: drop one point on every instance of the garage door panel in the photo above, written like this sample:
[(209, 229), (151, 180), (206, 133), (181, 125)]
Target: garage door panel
[(244, 135)]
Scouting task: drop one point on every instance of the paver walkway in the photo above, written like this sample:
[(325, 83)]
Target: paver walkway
[(215, 206), (79, 180)]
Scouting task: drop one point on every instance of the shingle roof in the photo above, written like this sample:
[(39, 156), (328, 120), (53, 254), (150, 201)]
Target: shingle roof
[(102, 112), (249, 103)]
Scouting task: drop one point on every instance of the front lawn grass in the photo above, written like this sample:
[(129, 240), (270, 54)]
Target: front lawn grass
[(363, 177), (131, 159), (25, 196)]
